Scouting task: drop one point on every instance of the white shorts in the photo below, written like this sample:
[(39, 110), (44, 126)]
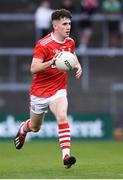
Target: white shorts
[(40, 105)]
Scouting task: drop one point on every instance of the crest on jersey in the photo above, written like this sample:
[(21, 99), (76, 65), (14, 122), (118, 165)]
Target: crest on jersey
[(56, 51)]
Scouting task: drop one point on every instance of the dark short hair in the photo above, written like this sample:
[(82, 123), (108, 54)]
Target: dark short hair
[(61, 13)]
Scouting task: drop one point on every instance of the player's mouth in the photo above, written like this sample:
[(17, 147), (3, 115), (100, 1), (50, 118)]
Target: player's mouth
[(68, 32)]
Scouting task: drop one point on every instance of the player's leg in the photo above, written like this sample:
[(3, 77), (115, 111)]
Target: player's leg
[(38, 108), (36, 121), (59, 109), (31, 125)]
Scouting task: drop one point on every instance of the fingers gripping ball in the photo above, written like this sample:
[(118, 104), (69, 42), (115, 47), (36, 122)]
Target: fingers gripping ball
[(65, 61)]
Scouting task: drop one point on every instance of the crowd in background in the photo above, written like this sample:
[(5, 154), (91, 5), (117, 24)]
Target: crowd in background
[(85, 9)]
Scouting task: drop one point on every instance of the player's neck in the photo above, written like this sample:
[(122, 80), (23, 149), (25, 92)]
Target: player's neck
[(58, 38)]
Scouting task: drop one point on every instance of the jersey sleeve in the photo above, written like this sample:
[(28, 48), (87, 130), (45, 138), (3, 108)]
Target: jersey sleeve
[(73, 46), (39, 52)]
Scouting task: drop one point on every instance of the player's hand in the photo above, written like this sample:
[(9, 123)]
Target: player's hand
[(78, 71), (54, 59)]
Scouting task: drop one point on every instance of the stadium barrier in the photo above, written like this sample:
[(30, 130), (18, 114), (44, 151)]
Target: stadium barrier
[(83, 126), (84, 56), (98, 17)]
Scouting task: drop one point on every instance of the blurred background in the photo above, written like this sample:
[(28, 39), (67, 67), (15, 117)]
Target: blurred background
[(96, 100)]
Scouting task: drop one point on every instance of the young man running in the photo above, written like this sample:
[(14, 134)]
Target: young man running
[(49, 85)]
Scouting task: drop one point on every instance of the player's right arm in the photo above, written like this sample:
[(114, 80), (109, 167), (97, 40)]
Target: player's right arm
[(38, 65), (38, 62)]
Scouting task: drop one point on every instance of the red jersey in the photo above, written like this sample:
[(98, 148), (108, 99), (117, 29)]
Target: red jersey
[(49, 81)]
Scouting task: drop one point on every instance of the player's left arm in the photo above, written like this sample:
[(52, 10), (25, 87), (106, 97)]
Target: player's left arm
[(78, 68)]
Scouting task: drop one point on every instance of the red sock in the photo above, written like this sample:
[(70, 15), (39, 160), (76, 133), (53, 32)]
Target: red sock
[(25, 127), (64, 138)]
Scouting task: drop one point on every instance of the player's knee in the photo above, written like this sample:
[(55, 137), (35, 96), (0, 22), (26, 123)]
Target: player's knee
[(62, 117)]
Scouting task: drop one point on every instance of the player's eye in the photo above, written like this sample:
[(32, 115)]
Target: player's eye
[(65, 24)]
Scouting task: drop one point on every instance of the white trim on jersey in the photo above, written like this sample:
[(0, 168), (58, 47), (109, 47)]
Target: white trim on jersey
[(46, 41), (70, 38), (60, 42)]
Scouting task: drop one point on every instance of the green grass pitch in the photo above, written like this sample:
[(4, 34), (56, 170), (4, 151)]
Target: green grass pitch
[(42, 160)]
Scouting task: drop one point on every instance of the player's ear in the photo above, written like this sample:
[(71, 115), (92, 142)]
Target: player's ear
[(54, 25)]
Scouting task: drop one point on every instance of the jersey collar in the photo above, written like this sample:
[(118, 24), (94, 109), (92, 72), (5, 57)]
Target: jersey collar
[(60, 42)]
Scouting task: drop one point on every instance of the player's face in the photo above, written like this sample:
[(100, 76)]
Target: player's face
[(63, 27)]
